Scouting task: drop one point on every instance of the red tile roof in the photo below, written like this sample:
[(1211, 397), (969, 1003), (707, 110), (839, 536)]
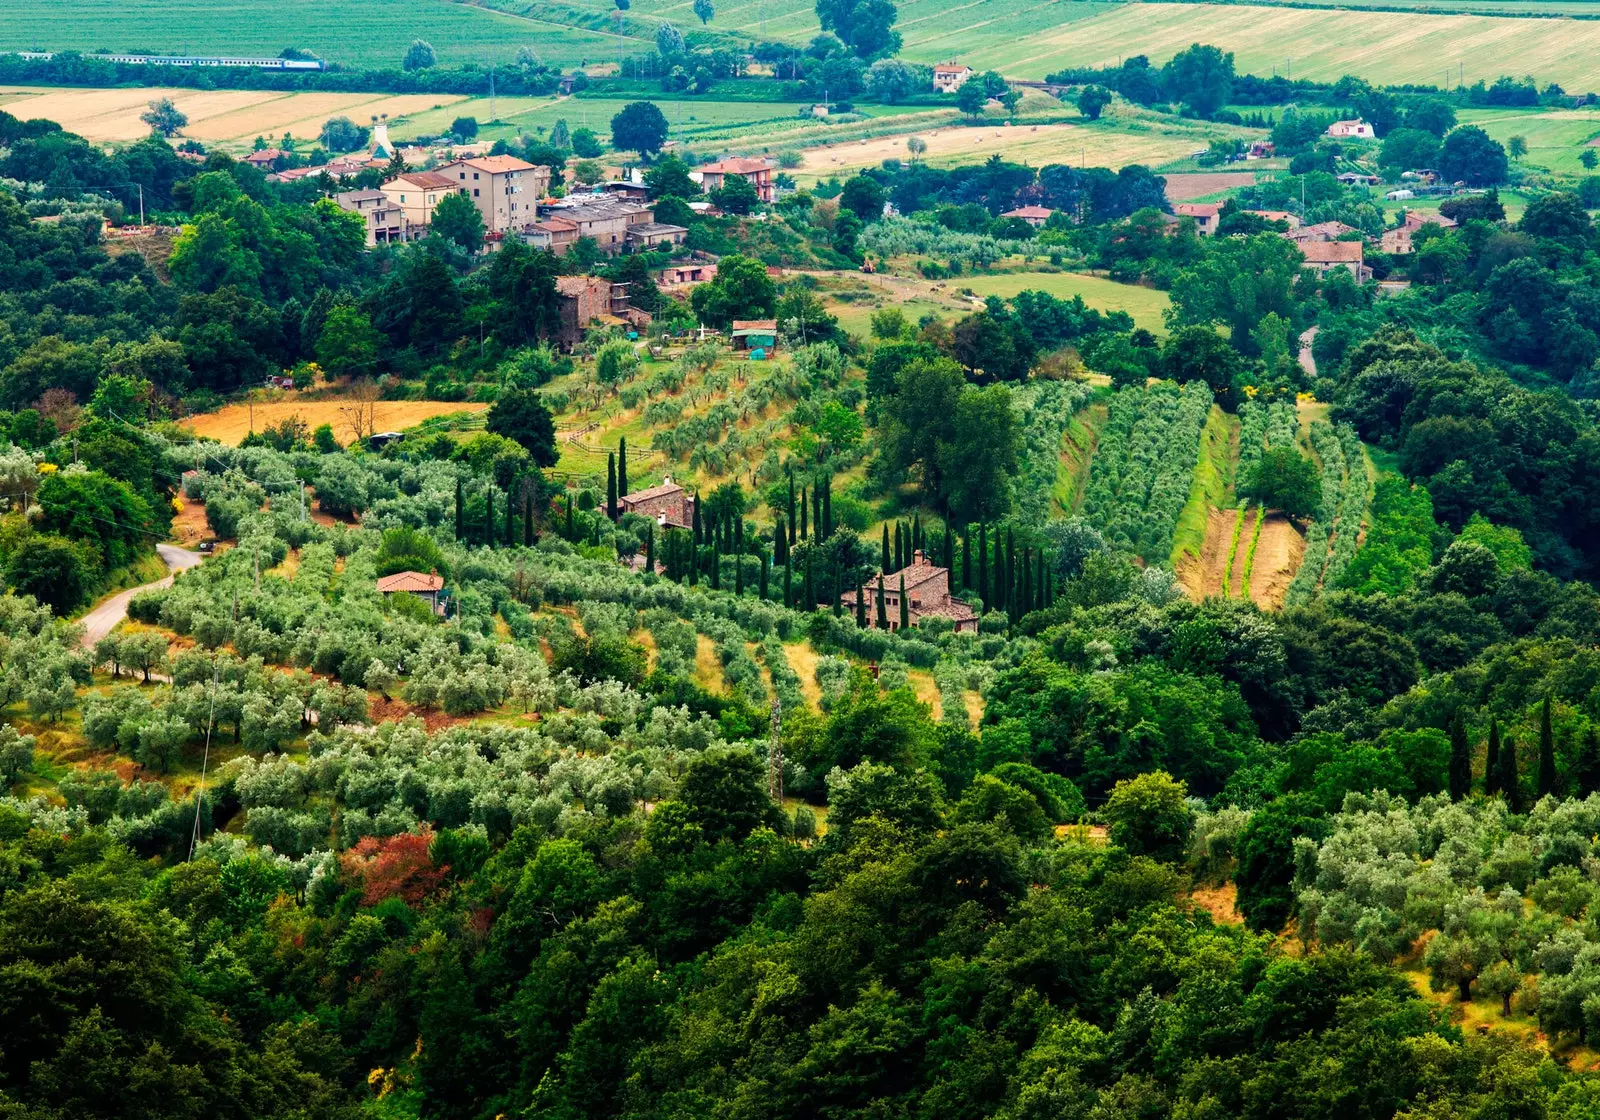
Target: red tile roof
[(1333, 252), (426, 180), (410, 581), (736, 165), (495, 165), (1029, 212)]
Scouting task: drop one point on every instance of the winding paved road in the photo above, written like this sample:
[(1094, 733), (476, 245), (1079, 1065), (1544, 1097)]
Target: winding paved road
[(104, 618)]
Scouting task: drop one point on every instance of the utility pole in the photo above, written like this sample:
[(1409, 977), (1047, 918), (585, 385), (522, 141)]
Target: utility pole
[(492, 115), (775, 752)]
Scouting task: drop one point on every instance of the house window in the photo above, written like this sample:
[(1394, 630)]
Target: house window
[(474, 176), (462, 174), (474, 192)]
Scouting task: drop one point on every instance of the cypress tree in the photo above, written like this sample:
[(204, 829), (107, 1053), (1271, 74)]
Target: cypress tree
[(883, 609), (461, 525), (611, 487), (817, 531), (905, 608), (765, 566), (1586, 768), (790, 521), (949, 550), (1011, 572), (650, 549), (622, 466), (716, 565), (1024, 586), (780, 544), (511, 533), (1510, 780), (738, 535), (802, 513), (983, 565), (1460, 759), (861, 606), (884, 564), (966, 559), (572, 533), (1547, 753), (900, 557), (695, 520), (1491, 760), (1040, 603), (488, 517), (916, 532)]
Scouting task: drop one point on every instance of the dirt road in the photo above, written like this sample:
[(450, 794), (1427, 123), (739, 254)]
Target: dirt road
[(104, 618)]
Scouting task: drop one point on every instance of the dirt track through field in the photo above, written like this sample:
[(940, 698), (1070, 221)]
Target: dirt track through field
[(1277, 558), (1203, 580)]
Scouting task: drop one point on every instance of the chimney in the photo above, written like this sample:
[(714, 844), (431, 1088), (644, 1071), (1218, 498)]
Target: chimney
[(919, 559)]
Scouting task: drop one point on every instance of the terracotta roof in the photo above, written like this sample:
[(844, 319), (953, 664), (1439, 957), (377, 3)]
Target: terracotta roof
[(425, 180), (755, 324), (736, 165), (265, 155), (1029, 212), (1416, 219), (950, 68), (1329, 230), (1272, 215), (410, 581), (662, 491), (1198, 209), (495, 165), (557, 225), (1333, 252), (577, 285)]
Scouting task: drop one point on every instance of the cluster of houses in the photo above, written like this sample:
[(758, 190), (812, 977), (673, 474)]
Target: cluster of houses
[(1326, 245)]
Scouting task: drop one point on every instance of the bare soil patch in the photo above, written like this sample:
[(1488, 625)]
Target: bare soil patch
[(1219, 902), (1277, 560), (1203, 578), (1182, 187), (231, 423)]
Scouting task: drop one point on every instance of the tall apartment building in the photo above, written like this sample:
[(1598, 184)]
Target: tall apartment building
[(505, 189)]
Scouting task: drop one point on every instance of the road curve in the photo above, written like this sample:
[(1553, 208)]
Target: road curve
[(104, 618)]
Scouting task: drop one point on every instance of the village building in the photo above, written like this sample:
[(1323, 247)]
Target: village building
[(586, 300), (609, 221), (1035, 216), (1358, 179), (506, 190), (1291, 220), (1352, 130), (1321, 231), (554, 234), (386, 220), (266, 158), (417, 193), (426, 587), (688, 274), (927, 592), (1398, 241), (755, 334), (1324, 257), (654, 235), (757, 171), (949, 76), (668, 505), (1205, 215)]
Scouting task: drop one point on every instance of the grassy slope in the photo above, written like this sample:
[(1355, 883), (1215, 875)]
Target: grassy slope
[(1077, 451), (1212, 486)]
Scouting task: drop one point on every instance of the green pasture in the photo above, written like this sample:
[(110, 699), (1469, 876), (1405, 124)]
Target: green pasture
[(370, 33), (1556, 137), (1146, 305)]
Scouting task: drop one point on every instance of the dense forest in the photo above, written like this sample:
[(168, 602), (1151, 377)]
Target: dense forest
[(682, 836)]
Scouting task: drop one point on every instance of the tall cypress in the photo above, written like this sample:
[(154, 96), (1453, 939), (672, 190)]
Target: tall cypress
[(611, 487), (1547, 753), (1586, 768), (817, 531), (622, 466), (1510, 780), (966, 559), (716, 565), (488, 517), (883, 609), (780, 544), (1024, 585), (790, 521), (884, 564), (899, 546), (916, 532), (983, 565), (1491, 760), (511, 534), (802, 513), (949, 550), (905, 607), (695, 521), (572, 533), (1460, 759), (861, 606), (650, 548), (461, 524), (766, 565)]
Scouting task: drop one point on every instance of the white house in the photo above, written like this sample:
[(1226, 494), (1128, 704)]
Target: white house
[(1352, 130)]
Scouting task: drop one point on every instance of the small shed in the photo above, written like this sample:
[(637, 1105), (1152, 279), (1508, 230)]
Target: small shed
[(424, 586), (755, 334)]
